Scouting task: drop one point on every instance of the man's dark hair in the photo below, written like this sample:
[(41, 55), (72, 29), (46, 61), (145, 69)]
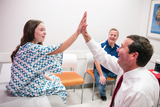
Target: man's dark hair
[(143, 47)]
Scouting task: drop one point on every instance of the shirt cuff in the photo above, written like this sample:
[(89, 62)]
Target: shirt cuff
[(92, 44)]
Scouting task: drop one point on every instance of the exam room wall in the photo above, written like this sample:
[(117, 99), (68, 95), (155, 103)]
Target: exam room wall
[(61, 18)]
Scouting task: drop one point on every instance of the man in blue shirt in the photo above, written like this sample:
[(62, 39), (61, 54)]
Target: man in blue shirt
[(100, 72)]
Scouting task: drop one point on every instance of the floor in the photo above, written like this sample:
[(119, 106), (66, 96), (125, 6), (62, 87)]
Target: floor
[(74, 98)]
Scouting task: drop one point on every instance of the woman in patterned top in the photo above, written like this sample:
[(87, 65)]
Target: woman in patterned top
[(31, 60)]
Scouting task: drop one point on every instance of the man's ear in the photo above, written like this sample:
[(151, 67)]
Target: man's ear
[(134, 55)]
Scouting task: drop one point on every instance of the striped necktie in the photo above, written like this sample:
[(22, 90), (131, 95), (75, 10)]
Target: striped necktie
[(115, 90)]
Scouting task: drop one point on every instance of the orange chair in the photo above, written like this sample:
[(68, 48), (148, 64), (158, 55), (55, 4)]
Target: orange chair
[(90, 71), (70, 77)]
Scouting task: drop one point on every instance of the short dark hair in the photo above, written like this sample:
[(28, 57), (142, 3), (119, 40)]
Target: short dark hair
[(143, 47)]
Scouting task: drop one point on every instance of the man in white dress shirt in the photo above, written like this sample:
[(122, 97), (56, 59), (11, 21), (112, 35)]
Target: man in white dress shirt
[(139, 87)]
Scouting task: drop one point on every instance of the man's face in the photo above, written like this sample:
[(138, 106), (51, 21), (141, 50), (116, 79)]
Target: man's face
[(123, 53), (113, 36)]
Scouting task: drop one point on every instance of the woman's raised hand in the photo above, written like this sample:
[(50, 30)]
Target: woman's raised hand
[(82, 24)]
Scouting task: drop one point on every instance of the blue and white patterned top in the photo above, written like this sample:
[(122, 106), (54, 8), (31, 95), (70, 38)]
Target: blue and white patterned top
[(28, 68)]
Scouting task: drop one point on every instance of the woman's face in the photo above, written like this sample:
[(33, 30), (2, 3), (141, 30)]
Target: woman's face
[(40, 33)]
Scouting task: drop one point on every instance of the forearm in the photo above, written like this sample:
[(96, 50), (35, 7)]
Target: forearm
[(66, 44), (98, 67), (47, 77), (86, 36)]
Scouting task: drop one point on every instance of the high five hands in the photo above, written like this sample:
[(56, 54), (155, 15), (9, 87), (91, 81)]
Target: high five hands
[(82, 28)]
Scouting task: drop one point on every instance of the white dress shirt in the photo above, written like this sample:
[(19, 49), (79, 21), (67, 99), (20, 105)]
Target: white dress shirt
[(139, 87)]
